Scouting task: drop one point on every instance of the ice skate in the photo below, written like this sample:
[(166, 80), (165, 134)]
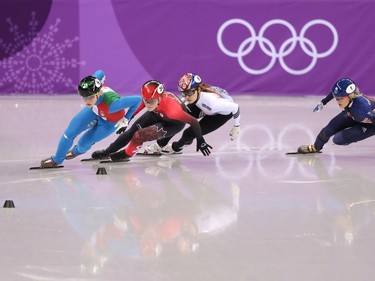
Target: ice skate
[(305, 149), (153, 149), (169, 150), (119, 156), (70, 155), (99, 155), (48, 163)]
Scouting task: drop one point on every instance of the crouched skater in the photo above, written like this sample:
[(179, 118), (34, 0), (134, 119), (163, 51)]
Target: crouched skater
[(211, 105), (105, 112), (166, 115), (354, 123)]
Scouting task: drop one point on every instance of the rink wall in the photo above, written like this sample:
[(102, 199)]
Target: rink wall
[(294, 47)]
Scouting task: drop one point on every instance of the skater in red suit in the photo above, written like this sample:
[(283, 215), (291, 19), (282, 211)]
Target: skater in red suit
[(166, 115)]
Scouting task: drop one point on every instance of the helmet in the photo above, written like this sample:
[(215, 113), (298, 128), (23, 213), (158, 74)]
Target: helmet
[(100, 75), (152, 89), (343, 88), (89, 86), (188, 81)]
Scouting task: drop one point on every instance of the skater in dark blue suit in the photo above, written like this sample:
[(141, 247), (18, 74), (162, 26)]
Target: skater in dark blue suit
[(105, 113), (354, 123)]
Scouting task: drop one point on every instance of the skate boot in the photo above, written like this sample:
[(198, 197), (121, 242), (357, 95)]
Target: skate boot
[(100, 155), (169, 150), (48, 163), (119, 156), (305, 149), (70, 155), (153, 149)]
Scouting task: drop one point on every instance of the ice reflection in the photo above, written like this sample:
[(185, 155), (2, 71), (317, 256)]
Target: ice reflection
[(145, 211)]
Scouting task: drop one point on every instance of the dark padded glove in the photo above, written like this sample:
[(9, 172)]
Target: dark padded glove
[(121, 130), (203, 147)]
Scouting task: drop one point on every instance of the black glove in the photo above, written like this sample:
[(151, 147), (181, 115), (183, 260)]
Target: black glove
[(121, 130), (203, 147)]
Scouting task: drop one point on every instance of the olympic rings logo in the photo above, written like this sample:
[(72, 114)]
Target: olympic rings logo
[(286, 48)]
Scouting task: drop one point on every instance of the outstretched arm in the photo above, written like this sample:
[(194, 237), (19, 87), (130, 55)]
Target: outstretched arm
[(130, 102), (323, 102), (202, 146)]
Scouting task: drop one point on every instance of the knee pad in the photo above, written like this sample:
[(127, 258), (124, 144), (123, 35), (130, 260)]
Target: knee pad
[(339, 139), (148, 134)]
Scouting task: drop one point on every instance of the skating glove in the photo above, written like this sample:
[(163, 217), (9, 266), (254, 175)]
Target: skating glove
[(234, 132), (203, 147), (318, 107), (121, 125)]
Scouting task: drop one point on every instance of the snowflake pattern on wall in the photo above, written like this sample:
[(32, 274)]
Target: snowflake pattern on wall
[(41, 64)]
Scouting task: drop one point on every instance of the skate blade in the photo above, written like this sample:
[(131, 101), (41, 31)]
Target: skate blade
[(174, 153), (110, 161), (299, 153), (91, 159), (149, 154), (40, 168), (157, 154)]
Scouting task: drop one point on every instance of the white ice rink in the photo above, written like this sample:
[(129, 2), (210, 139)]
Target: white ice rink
[(245, 213)]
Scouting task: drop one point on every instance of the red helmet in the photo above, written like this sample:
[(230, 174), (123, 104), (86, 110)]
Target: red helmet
[(152, 89)]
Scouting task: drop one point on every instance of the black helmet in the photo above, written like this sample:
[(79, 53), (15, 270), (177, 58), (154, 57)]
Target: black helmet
[(89, 86)]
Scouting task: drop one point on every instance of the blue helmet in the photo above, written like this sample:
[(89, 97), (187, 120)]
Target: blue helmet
[(343, 88), (188, 81)]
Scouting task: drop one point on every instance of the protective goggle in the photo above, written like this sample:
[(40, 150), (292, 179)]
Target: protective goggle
[(150, 101), (188, 93), (89, 97)]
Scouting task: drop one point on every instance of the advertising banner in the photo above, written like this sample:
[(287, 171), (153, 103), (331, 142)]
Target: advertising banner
[(290, 48)]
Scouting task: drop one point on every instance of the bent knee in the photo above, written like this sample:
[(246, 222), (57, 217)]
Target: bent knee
[(339, 139), (148, 134)]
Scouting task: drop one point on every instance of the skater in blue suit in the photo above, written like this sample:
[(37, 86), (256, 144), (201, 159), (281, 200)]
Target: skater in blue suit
[(354, 123), (105, 113)]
